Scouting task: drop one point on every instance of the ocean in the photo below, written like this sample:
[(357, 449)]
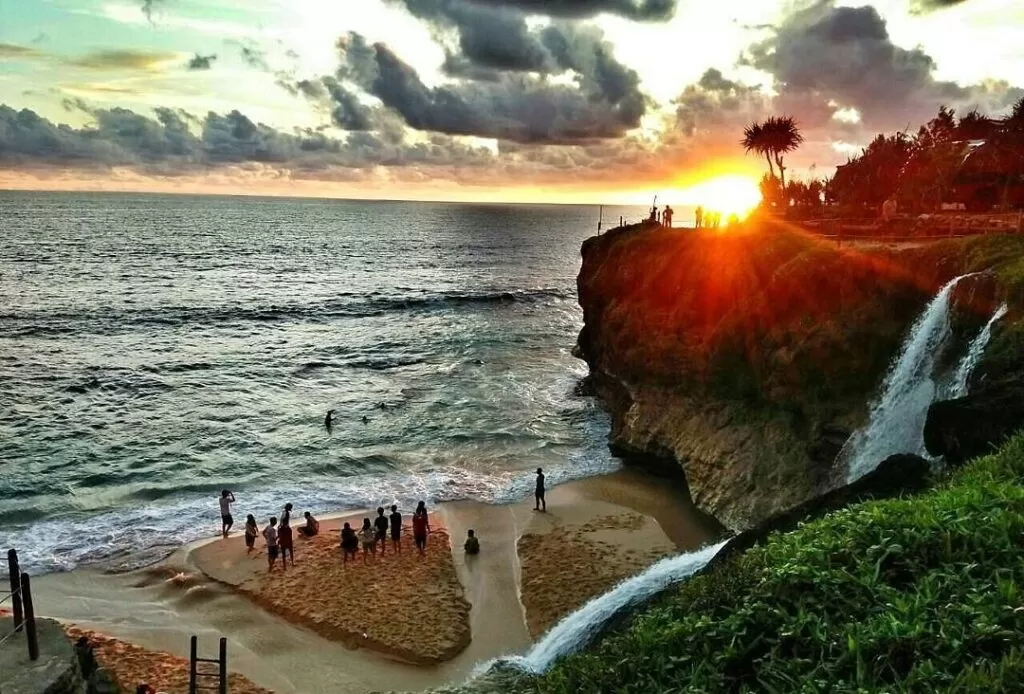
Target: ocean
[(155, 349)]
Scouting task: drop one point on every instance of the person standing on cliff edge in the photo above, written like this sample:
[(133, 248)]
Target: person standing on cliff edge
[(539, 503)]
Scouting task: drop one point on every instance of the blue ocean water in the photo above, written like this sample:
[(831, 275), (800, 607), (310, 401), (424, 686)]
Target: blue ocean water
[(155, 349)]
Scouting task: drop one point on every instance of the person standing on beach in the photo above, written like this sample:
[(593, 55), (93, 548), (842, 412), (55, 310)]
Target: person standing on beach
[(251, 531), (539, 503), (349, 542), (270, 535), (285, 540), (420, 527), (369, 538), (396, 528), (380, 525), (226, 521)]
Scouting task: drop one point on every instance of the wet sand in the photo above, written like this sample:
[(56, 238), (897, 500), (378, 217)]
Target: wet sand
[(594, 535), (160, 608)]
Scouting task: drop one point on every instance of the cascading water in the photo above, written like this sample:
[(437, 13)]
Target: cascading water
[(897, 419), (958, 389), (575, 631)]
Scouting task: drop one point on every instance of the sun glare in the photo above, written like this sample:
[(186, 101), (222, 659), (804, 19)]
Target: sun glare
[(727, 195)]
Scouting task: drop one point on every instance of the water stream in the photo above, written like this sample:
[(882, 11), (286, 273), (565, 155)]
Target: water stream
[(576, 630), (958, 389)]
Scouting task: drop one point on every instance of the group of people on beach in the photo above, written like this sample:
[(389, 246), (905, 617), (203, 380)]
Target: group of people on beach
[(371, 536)]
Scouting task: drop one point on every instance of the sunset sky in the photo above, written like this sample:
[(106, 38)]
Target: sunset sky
[(527, 100)]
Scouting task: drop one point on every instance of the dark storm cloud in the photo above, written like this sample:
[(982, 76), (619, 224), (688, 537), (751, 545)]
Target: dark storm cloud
[(201, 62), (604, 102), (173, 142), (845, 54), (348, 113)]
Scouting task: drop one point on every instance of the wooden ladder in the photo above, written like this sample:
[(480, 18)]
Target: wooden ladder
[(198, 678)]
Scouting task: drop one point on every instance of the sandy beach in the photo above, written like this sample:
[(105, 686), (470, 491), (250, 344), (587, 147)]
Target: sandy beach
[(404, 605), (428, 620), (133, 665)]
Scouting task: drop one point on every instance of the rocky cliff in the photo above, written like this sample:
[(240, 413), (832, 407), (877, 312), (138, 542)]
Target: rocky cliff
[(743, 360)]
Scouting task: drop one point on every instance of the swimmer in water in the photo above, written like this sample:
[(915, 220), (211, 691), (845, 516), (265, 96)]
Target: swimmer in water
[(329, 420)]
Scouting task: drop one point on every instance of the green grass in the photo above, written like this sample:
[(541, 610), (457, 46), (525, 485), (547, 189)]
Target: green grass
[(921, 594)]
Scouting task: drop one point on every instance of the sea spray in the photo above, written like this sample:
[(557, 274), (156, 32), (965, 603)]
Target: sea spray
[(958, 389), (576, 630), (897, 419)]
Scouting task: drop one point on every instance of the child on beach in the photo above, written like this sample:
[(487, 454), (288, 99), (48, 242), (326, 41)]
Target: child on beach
[(381, 526), (369, 538), (251, 531), (270, 535), (420, 527), (396, 529), (312, 526), (472, 545), (226, 499), (349, 542)]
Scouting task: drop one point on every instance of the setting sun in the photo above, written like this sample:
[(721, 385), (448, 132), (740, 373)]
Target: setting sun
[(728, 195)]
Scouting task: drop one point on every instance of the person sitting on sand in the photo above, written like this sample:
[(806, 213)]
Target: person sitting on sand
[(420, 527), (312, 526), (396, 528), (270, 535), (538, 494), (251, 531), (226, 499), (472, 545), (369, 538), (349, 542), (380, 524)]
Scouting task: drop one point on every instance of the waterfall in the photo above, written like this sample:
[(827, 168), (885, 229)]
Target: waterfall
[(897, 419), (958, 389), (576, 630)]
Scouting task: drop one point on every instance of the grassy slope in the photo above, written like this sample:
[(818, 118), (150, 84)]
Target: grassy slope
[(923, 594)]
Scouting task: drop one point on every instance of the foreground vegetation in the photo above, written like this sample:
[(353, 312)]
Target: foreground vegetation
[(922, 594)]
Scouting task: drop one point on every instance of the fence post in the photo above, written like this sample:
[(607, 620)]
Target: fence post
[(30, 618), (15, 573), (223, 658), (193, 647)]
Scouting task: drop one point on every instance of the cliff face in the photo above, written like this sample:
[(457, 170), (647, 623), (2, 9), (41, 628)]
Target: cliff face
[(745, 359)]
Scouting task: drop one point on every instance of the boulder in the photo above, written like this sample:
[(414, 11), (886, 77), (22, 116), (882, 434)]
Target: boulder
[(975, 425)]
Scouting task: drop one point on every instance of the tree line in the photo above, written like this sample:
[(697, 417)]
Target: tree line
[(974, 160)]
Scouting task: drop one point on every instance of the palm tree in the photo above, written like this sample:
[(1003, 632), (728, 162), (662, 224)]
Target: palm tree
[(774, 137)]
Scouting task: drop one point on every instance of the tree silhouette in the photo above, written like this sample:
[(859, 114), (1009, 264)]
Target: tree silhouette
[(776, 136)]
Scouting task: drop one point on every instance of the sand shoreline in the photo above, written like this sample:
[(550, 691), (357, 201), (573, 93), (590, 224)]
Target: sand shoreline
[(630, 517)]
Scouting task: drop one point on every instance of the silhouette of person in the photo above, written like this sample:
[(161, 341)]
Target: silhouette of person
[(329, 421), (666, 216), (539, 503), (698, 217), (472, 545)]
